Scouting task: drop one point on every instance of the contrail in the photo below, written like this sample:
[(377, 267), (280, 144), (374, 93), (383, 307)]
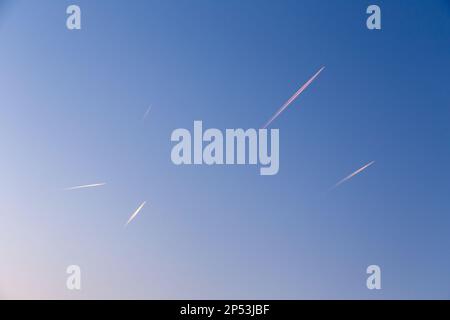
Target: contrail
[(352, 175), (146, 113), (135, 213), (292, 99), (86, 186)]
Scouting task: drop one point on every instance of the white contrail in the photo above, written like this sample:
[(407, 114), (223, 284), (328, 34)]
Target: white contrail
[(292, 99), (353, 174), (86, 186), (135, 213), (147, 113)]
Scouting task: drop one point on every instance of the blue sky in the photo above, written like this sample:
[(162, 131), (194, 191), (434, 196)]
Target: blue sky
[(71, 113)]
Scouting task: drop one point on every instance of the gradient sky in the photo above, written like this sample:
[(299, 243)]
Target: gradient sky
[(71, 109)]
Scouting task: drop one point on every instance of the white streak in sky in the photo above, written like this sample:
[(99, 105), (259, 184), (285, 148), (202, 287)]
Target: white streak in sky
[(292, 99), (86, 186), (352, 175), (147, 113), (135, 213)]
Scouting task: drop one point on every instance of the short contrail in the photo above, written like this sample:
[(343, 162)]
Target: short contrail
[(292, 99), (86, 186), (135, 213), (352, 175), (147, 113)]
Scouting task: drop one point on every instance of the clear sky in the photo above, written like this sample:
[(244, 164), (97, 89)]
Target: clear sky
[(72, 105)]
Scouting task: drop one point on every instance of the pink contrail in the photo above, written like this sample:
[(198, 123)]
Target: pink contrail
[(292, 99), (353, 174)]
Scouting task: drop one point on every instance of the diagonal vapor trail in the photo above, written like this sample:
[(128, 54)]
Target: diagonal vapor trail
[(352, 175), (146, 113), (135, 213), (86, 186), (292, 99)]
